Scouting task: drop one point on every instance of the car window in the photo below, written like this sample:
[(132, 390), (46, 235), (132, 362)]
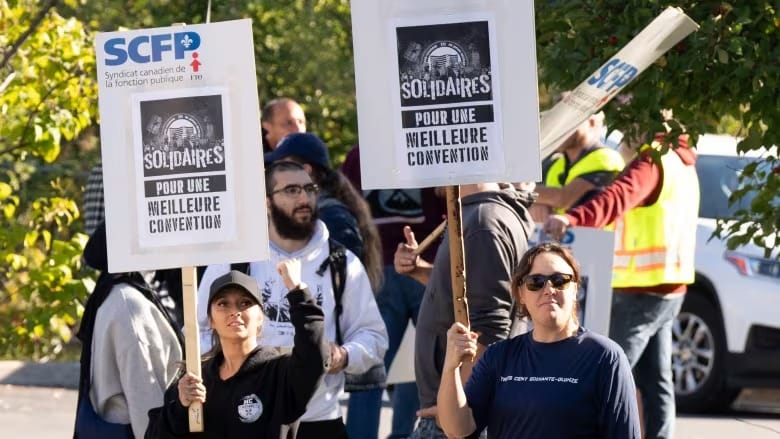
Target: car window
[(718, 177)]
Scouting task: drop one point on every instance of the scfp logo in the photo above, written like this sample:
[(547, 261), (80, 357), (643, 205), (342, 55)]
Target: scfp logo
[(145, 48), (614, 74)]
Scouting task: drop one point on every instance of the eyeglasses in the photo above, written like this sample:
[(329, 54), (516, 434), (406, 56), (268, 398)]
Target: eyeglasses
[(293, 190), (559, 281)]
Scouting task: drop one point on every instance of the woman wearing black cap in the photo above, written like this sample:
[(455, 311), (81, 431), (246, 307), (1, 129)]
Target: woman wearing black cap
[(249, 390)]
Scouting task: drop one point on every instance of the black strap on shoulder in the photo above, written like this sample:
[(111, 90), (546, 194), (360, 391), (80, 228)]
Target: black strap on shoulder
[(337, 262)]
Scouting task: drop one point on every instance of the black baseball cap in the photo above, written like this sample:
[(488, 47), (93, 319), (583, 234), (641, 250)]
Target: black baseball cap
[(235, 279)]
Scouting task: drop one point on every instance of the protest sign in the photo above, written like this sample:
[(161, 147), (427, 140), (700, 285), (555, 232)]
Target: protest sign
[(180, 141), (608, 80), (462, 83), (593, 249)]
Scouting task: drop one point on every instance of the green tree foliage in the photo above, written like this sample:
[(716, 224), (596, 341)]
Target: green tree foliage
[(303, 50), (727, 70), (47, 98)]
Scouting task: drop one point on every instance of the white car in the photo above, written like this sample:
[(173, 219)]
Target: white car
[(727, 336)]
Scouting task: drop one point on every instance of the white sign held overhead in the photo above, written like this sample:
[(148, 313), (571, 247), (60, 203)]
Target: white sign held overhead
[(436, 105), (653, 41), (180, 146)]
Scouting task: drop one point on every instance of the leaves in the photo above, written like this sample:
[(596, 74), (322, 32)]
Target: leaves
[(49, 99), (724, 72)]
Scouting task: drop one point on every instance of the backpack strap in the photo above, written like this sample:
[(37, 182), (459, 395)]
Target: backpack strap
[(337, 262)]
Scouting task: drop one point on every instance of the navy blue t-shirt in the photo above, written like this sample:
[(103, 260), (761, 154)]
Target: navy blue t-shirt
[(580, 387)]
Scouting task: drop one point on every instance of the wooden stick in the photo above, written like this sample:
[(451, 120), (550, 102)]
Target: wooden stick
[(457, 261), (189, 283), (430, 238)]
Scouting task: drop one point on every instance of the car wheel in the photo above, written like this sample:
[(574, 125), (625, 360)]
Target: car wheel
[(698, 353)]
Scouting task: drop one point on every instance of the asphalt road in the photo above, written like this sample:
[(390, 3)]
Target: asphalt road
[(47, 413)]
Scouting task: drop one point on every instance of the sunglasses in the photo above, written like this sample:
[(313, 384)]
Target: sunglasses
[(294, 190), (559, 281)]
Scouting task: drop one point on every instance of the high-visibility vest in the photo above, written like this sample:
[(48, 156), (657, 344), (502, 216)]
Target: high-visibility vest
[(655, 244), (596, 160)]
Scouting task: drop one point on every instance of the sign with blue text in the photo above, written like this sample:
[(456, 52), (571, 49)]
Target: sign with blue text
[(180, 143), (666, 30)]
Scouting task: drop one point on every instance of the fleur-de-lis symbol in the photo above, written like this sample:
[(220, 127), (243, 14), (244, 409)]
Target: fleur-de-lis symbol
[(186, 41)]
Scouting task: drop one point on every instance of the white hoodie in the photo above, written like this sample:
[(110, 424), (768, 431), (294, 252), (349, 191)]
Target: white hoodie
[(362, 327)]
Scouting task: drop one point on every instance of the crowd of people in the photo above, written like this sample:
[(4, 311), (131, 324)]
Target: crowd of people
[(285, 337)]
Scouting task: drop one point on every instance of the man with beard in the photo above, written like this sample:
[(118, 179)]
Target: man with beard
[(295, 232)]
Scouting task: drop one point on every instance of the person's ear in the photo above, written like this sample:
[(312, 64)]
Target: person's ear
[(308, 168)]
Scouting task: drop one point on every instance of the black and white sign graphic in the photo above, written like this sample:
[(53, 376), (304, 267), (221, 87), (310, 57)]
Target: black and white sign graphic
[(447, 97), (444, 63), (183, 135), (184, 169)]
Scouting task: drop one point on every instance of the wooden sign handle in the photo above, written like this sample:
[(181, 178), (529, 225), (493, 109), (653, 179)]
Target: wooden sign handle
[(457, 259), (430, 238), (189, 283)]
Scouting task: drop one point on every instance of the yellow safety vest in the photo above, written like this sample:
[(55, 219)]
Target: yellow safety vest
[(655, 244), (598, 159)]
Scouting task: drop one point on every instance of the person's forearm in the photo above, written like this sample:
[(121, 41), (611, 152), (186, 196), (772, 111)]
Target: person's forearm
[(551, 196), (310, 344), (564, 197), (634, 186), (454, 413), (467, 365)]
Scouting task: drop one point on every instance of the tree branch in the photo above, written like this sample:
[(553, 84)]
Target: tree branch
[(23, 37), (7, 81), (20, 144)]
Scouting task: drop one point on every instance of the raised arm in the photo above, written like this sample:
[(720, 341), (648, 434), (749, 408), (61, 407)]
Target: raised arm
[(310, 354)]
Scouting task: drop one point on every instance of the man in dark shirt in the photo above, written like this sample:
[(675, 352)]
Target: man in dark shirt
[(398, 299), (496, 226)]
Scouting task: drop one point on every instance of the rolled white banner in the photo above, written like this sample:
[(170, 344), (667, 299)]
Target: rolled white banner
[(657, 38)]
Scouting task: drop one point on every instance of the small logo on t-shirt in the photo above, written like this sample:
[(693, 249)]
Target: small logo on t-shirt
[(250, 409)]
